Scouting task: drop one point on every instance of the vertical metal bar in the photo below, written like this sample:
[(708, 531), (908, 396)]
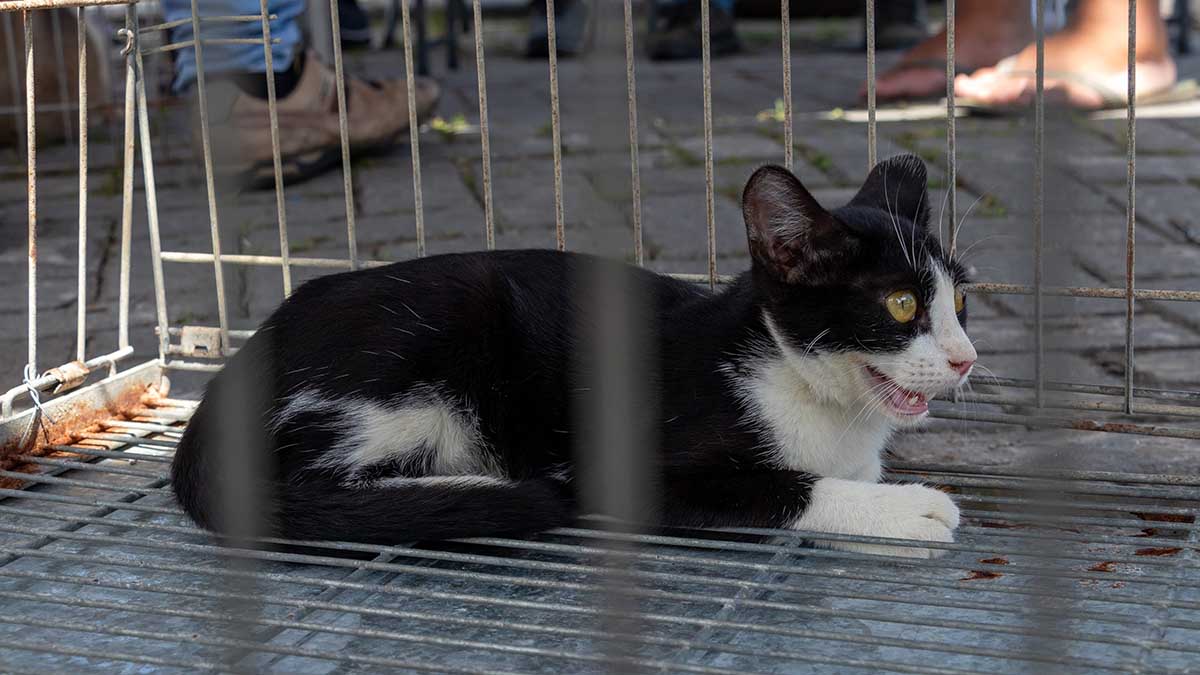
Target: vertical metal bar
[(60, 70), (413, 131), (489, 223), (709, 197), (634, 156), (81, 305), (143, 118), (127, 196), (206, 144), (1131, 223), (1039, 202), (31, 159), (14, 77), (277, 160), (560, 237), (951, 129), (343, 127), (785, 24), (872, 142)]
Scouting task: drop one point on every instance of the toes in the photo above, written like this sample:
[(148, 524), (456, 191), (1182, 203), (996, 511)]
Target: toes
[(933, 505), (935, 531), (944, 510), (909, 82), (920, 530)]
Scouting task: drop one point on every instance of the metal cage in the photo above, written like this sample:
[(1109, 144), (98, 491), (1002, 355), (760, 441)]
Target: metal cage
[(1055, 570)]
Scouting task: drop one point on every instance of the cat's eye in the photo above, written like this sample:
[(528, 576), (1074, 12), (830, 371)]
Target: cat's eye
[(902, 305), (960, 301)]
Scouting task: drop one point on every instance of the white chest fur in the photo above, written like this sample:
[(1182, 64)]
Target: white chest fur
[(808, 430)]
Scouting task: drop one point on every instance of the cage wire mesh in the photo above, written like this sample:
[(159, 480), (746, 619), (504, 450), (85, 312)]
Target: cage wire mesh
[(1054, 570)]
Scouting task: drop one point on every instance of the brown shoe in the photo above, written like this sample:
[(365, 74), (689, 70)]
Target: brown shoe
[(427, 91), (309, 132)]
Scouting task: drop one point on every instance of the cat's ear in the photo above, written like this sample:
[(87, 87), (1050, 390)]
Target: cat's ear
[(790, 234), (898, 185)]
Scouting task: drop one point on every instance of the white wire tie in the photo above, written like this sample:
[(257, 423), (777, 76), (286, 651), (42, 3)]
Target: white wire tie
[(29, 376)]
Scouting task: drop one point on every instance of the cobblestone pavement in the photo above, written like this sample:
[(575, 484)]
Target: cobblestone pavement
[(1085, 212)]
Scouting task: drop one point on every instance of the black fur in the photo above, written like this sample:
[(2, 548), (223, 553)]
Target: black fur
[(500, 332)]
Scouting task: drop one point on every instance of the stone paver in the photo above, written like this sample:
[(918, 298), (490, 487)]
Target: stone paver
[(1084, 228)]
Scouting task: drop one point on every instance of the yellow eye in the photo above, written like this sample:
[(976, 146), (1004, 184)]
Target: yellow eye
[(960, 301), (902, 305)]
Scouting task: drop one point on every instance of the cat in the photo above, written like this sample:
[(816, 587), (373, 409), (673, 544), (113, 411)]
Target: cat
[(433, 398)]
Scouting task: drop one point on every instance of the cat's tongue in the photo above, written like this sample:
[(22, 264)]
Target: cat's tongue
[(909, 402)]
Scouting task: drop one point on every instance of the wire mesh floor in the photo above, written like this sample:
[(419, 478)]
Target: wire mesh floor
[(99, 572)]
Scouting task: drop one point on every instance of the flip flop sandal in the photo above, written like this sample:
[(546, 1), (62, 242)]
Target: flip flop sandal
[(1185, 90)]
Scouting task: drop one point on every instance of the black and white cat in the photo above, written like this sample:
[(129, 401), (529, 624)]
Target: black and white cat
[(433, 398)]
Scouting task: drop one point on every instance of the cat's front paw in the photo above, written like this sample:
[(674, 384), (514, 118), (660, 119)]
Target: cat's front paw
[(907, 511)]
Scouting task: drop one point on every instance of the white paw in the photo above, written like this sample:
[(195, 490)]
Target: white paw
[(907, 511)]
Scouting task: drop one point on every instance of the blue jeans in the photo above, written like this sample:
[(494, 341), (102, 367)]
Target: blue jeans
[(246, 58)]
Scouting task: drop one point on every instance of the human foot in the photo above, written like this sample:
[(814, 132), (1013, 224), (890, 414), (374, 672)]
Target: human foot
[(985, 38), (310, 138), (1086, 68)]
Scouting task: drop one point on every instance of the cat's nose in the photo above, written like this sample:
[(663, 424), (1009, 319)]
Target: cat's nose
[(961, 367)]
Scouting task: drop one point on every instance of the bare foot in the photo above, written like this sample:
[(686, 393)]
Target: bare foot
[(1093, 53), (985, 32)]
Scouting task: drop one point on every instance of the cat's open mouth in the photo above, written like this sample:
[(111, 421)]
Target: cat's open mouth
[(899, 401)]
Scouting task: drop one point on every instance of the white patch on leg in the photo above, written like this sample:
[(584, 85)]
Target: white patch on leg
[(424, 422), (421, 421), (909, 511)]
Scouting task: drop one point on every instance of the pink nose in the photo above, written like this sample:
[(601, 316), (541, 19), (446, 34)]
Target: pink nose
[(962, 367)]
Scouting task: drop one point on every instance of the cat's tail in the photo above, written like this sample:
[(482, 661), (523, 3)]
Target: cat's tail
[(412, 509), (391, 512)]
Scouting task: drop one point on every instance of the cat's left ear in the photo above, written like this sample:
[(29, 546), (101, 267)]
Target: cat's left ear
[(898, 185), (791, 236)]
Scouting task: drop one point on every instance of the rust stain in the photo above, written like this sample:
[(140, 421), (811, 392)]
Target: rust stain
[(1115, 427), (1117, 584), (994, 561), (69, 422), (1166, 517), (1148, 532), (980, 574), (1106, 566), (1004, 526), (1157, 551)]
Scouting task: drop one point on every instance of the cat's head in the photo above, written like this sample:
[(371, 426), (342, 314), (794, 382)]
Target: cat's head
[(862, 300)]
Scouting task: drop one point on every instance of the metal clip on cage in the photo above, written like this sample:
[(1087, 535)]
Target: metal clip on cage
[(1054, 571)]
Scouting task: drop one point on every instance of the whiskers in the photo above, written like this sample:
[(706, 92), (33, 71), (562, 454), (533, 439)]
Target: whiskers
[(813, 343), (876, 396), (895, 223), (963, 256), (988, 373)]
